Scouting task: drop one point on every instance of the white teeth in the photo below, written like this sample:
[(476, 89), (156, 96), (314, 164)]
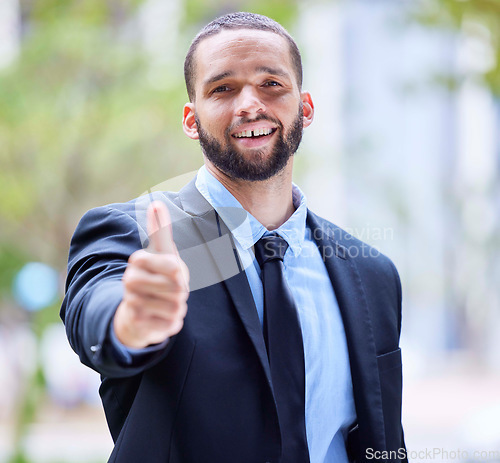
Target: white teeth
[(254, 133)]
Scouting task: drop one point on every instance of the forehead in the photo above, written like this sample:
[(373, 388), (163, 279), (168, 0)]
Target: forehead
[(235, 50)]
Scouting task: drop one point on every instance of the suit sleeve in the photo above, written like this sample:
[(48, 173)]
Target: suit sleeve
[(101, 245)]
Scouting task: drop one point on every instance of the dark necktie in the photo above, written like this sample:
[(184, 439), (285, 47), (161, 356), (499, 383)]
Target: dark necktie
[(285, 349)]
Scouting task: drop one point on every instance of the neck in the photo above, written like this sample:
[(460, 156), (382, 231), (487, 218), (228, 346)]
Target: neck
[(269, 201)]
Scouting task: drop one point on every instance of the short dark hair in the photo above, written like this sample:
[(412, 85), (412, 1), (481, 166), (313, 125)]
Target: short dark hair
[(233, 21)]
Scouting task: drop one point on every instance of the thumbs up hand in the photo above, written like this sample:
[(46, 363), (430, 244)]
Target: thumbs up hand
[(156, 289)]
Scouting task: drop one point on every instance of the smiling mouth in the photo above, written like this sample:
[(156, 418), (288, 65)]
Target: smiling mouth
[(257, 133)]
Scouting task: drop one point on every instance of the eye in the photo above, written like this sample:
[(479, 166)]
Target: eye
[(272, 83), (220, 89)]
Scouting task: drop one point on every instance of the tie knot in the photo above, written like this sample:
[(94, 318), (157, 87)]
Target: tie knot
[(270, 247)]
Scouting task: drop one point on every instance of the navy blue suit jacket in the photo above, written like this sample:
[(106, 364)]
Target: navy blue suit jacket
[(207, 396)]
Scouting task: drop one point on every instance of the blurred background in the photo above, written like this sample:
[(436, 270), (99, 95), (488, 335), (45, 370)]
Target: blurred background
[(404, 153)]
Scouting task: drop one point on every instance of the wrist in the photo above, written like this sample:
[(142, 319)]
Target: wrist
[(122, 329)]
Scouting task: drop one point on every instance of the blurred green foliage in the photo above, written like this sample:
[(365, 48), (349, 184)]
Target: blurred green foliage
[(81, 123), (200, 12), (12, 259), (481, 18), (27, 413), (34, 389), (88, 117)]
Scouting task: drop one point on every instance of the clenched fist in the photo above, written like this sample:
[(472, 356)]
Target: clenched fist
[(156, 287)]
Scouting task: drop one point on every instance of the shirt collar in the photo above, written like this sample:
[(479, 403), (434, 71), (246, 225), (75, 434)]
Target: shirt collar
[(248, 232)]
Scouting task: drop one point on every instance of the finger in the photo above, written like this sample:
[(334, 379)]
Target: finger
[(146, 307), (144, 299), (142, 281), (165, 264), (157, 330), (159, 226)]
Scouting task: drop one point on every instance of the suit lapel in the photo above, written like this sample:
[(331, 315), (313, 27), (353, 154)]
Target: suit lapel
[(349, 292), (218, 239), (353, 306)]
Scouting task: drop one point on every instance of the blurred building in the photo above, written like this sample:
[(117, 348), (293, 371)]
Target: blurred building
[(410, 165), (10, 23)]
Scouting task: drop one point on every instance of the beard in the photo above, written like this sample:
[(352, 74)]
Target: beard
[(260, 167)]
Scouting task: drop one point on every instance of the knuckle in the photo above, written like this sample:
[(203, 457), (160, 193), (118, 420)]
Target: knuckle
[(177, 327), (181, 280), (136, 256), (129, 272), (135, 301), (183, 310), (126, 276), (177, 299), (176, 286), (130, 281)]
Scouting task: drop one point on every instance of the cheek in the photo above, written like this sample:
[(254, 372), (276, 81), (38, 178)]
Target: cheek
[(216, 120), (284, 108)]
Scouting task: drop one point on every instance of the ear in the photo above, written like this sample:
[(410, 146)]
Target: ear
[(308, 108), (189, 121)]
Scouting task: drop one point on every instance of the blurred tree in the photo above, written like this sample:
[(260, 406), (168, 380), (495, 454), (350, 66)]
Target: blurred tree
[(88, 116), (480, 18), (81, 123), (85, 121), (79, 116), (199, 12)]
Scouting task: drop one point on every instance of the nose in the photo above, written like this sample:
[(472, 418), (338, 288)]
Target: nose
[(249, 102)]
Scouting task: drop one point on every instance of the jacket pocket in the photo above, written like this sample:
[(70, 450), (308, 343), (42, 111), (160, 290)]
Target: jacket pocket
[(389, 360), (390, 372)]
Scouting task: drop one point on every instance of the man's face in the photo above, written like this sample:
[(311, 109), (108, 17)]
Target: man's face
[(248, 113)]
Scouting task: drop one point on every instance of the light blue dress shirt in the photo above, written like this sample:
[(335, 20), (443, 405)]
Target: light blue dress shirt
[(329, 407), (329, 398)]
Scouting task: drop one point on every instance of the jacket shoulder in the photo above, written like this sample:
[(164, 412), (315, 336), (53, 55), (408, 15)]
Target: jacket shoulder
[(117, 218), (370, 261), (348, 244)]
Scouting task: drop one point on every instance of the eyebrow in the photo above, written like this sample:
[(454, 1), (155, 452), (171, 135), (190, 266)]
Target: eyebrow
[(273, 71), (218, 77), (263, 69)]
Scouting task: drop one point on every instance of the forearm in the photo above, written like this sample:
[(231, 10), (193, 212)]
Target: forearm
[(101, 245)]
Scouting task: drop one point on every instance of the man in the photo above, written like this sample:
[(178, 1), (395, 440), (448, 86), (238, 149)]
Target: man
[(207, 354)]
